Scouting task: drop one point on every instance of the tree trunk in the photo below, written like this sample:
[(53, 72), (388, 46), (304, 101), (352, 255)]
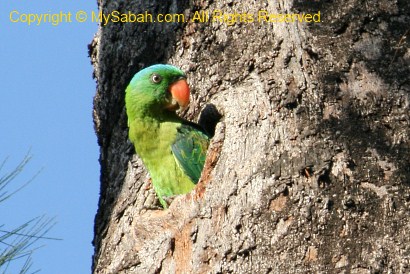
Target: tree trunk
[(308, 170)]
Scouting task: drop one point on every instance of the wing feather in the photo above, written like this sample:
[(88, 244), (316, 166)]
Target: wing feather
[(190, 148)]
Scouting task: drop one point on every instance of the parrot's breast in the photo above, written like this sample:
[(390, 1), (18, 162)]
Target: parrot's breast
[(153, 142)]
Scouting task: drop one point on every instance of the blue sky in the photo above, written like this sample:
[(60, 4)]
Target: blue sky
[(46, 93)]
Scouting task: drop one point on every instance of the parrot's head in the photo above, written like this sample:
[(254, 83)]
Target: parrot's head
[(157, 88)]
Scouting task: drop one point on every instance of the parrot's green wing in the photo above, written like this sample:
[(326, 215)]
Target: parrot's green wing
[(190, 148)]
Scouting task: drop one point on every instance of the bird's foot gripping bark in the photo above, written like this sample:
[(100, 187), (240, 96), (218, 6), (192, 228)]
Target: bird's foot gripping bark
[(166, 201), (153, 202)]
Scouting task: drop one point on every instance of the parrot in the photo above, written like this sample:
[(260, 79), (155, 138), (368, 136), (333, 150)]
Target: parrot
[(172, 149)]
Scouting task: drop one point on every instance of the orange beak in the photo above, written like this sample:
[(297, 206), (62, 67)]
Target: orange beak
[(180, 94)]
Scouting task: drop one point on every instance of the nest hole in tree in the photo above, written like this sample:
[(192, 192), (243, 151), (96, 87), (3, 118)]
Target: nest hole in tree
[(210, 117)]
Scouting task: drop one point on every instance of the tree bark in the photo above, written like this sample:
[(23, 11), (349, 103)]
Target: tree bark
[(308, 170)]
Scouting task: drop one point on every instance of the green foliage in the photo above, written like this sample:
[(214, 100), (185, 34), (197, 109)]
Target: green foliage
[(17, 245)]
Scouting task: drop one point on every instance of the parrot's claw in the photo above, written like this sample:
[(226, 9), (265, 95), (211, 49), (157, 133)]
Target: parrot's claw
[(169, 199)]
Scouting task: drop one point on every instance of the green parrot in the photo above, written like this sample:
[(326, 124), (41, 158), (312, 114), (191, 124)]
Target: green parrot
[(173, 150)]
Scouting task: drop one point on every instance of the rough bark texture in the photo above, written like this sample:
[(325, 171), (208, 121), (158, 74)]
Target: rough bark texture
[(309, 166)]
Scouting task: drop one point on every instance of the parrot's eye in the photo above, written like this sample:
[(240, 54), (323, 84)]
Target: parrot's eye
[(155, 78)]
